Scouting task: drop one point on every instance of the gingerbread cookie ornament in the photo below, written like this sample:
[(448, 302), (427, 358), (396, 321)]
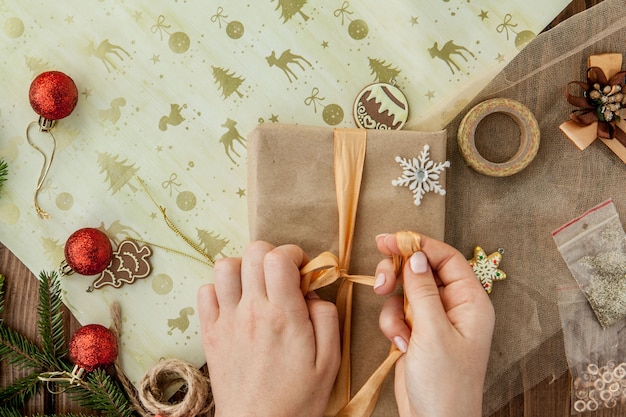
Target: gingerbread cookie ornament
[(130, 262), (381, 106)]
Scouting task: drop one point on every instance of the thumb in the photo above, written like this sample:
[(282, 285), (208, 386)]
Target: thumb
[(422, 293)]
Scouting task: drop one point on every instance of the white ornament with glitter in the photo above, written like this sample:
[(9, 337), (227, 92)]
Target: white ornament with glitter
[(421, 175)]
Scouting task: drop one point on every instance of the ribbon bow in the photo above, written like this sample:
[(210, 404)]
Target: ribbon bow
[(600, 107), (327, 268)]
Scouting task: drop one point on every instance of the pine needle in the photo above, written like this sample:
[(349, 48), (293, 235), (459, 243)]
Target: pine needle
[(18, 350), (50, 323), (16, 394), (101, 393), (4, 172), (9, 412)]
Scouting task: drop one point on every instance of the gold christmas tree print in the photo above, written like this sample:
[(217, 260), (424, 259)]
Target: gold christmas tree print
[(521, 38), (37, 65), (234, 28), (53, 249), (382, 71), (286, 58), (211, 243), (118, 173), (229, 138), (227, 81), (357, 28), (178, 42), (446, 52), (332, 113), (288, 8)]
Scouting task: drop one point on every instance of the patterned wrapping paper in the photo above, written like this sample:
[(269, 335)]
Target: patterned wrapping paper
[(168, 91)]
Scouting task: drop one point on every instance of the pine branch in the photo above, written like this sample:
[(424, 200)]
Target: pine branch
[(18, 350), (50, 321), (99, 392), (16, 394), (9, 412), (4, 172)]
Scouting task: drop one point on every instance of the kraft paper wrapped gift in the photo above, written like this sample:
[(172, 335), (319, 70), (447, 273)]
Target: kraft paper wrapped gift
[(292, 199)]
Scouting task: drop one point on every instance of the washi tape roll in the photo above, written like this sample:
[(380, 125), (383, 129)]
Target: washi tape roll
[(529, 141)]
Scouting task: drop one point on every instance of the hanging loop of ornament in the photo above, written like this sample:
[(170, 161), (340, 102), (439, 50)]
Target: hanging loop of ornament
[(44, 126), (53, 95)]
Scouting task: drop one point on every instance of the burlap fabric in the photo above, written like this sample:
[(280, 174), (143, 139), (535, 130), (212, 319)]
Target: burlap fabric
[(518, 213)]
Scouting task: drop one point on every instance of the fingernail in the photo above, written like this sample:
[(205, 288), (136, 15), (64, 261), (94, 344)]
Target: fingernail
[(379, 281), (400, 343), (382, 236), (418, 263)]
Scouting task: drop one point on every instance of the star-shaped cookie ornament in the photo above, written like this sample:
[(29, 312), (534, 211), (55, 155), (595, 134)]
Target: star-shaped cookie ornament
[(486, 267)]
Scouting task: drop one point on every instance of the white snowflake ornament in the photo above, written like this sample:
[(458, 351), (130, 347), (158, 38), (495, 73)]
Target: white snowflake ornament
[(421, 175)]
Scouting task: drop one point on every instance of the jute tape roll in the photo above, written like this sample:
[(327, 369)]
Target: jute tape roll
[(529, 141)]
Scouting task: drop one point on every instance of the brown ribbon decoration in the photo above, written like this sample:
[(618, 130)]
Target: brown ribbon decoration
[(588, 121), (325, 269)]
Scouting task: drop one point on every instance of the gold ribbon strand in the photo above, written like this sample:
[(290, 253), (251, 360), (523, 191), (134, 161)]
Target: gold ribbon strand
[(45, 125)]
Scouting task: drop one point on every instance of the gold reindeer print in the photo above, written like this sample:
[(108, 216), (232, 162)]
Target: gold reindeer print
[(332, 113), (181, 322), (357, 28), (445, 54), (286, 58), (105, 51), (234, 28), (229, 138), (174, 118)]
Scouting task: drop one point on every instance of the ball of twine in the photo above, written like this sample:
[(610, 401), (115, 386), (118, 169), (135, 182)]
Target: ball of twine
[(168, 374)]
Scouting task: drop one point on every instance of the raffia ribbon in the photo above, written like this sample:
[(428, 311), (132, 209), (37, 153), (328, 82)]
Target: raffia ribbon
[(325, 269), (583, 128)]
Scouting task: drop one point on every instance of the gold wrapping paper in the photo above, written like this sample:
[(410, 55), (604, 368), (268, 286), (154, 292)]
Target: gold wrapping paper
[(292, 199)]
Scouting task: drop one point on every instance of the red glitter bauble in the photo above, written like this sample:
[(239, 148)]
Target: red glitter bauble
[(93, 346), (88, 251), (53, 95)]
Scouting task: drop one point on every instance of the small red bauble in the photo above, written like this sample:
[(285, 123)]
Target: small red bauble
[(93, 346), (53, 95), (88, 251)]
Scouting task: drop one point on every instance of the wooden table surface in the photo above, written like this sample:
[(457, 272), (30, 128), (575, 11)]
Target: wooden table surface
[(547, 399)]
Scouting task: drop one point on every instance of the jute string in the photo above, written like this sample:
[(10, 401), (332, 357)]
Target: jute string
[(150, 399)]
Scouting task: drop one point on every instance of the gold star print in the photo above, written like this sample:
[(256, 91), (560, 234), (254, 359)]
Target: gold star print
[(241, 193), (274, 118), (414, 20), (430, 94), (155, 58), (86, 93), (325, 44), (500, 58), (483, 14), (486, 268)]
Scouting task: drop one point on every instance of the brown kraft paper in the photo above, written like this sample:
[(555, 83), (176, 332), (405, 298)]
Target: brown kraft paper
[(292, 199)]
